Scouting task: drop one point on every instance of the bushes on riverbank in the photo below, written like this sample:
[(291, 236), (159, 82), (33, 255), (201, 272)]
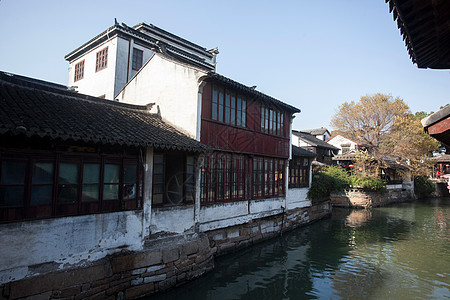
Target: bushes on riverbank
[(423, 187), (334, 179)]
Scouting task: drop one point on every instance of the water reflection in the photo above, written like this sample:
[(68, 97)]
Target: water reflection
[(397, 252)]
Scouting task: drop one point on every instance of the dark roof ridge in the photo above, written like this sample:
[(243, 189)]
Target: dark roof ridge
[(21, 81), (173, 36), (251, 90)]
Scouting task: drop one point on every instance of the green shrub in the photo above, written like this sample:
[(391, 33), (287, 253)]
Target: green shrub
[(334, 179), (423, 186), (368, 183)]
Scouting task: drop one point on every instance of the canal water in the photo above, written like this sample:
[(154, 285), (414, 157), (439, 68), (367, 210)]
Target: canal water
[(394, 252)]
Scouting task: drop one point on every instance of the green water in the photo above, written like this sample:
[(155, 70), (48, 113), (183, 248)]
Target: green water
[(395, 252)]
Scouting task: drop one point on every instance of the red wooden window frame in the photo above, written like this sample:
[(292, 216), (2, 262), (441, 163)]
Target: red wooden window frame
[(79, 71), (268, 177), (101, 61), (299, 172), (223, 178), (45, 186), (272, 121), (228, 107), (137, 60)]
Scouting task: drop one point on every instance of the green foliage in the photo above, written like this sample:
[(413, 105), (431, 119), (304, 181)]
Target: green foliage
[(423, 186), (368, 183), (334, 179)]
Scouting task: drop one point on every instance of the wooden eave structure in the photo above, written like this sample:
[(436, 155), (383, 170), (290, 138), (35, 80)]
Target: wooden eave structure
[(425, 27), (438, 125)]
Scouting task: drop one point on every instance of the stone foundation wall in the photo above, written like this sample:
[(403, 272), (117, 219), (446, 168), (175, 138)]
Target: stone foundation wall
[(361, 199), (230, 239), (164, 263)]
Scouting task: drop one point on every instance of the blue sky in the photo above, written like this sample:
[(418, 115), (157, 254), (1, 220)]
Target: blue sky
[(314, 55)]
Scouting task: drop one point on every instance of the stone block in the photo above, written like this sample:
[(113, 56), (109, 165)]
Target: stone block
[(183, 263), (233, 233), (137, 281), (104, 281), (92, 291), (181, 278), (169, 255), (203, 244), (139, 291), (167, 284), (135, 260), (68, 292), (189, 248), (155, 268), (118, 288), (58, 280), (138, 271), (226, 247), (155, 278)]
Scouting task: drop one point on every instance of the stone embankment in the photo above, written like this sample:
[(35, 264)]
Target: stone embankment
[(359, 198), (164, 263)]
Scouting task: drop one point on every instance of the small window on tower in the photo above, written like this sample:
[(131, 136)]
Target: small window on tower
[(137, 59), (79, 71), (102, 60)]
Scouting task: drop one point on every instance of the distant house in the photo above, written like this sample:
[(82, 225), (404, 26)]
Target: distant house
[(321, 133), (347, 150), (322, 149)]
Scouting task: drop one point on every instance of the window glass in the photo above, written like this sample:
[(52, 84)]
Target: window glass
[(42, 173), (91, 173), (221, 103), (214, 104), (11, 195), (112, 172), (110, 182), (41, 194), (239, 111), (68, 173), (244, 114), (13, 172), (12, 180), (91, 182), (227, 107), (233, 110), (42, 183), (130, 181), (68, 183), (158, 179)]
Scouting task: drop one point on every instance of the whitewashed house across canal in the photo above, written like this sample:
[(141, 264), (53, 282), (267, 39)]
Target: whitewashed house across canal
[(127, 197)]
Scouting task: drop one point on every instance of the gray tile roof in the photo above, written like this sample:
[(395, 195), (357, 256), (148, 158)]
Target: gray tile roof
[(31, 107), (316, 131), (312, 140), (297, 151), (215, 77)]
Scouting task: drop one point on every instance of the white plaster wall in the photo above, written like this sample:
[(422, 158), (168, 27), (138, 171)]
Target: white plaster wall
[(301, 143), (294, 140), (173, 86), (178, 219), (338, 140), (267, 205), (66, 241), (147, 54), (96, 83), (228, 214), (297, 198)]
